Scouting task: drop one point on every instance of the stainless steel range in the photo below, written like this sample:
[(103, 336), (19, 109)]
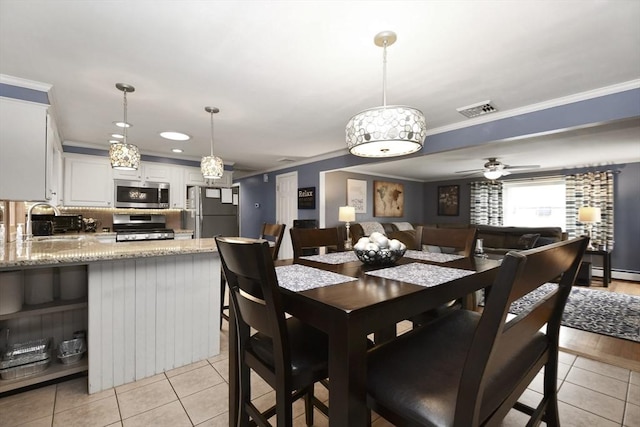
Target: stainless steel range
[(139, 227)]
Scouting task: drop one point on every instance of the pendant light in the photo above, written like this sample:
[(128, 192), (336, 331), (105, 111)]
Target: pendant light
[(123, 155), (389, 130), (212, 166)]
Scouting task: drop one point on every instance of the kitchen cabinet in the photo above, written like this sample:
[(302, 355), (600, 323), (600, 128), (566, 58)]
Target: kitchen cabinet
[(24, 167), (177, 191), (193, 176), (87, 181), (57, 320), (152, 172)]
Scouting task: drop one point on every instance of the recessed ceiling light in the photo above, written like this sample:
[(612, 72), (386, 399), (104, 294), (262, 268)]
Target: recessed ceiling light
[(176, 150), (113, 141), (123, 124), (175, 136), (117, 136)]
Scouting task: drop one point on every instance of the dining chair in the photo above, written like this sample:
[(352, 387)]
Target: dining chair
[(469, 368), (270, 232), (312, 238), (273, 233), (459, 240), (289, 355)]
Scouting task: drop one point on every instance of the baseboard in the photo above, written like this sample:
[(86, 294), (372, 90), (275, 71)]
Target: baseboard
[(620, 275)]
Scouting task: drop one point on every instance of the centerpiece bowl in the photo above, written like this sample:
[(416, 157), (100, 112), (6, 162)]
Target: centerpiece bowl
[(380, 256)]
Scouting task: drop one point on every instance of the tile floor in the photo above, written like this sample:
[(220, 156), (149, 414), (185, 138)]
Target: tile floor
[(590, 393)]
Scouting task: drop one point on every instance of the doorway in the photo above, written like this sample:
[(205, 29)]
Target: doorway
[(286, 209)]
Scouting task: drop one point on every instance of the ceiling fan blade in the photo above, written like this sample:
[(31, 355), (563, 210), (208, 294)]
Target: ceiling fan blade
[(471, 171), (521, 167)]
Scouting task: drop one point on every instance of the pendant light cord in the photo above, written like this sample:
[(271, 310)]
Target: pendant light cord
[(211, 133), (384, 74), (126, 123)]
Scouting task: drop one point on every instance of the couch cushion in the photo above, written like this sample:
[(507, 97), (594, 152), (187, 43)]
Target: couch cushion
[(541, 241), (528, 241)]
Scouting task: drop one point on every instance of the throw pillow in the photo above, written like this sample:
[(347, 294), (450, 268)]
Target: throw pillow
[(544, 241), (403, 226), (371, 226), (528, 241)]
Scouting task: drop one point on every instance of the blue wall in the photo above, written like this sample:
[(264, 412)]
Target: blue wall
[(617, 106)]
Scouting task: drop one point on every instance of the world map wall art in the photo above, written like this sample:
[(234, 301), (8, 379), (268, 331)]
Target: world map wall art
[(388, 199)]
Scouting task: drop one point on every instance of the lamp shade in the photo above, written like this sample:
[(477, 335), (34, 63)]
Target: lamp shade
[(212, 167), (588, 214), (347, 214), (124, 156), (386, 131)]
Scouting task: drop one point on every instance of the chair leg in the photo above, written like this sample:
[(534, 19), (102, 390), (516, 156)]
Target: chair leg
[(308, 406), (223, 289)]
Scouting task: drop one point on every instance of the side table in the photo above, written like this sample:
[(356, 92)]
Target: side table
[(606, 263)]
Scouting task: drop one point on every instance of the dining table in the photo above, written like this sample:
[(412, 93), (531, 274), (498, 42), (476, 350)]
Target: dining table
[(350, 301)]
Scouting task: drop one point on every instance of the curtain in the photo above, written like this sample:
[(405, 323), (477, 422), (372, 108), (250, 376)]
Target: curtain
[(486, 202), (593, 189)]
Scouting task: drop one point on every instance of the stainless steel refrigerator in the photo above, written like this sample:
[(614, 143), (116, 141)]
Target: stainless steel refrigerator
[(211, 211)]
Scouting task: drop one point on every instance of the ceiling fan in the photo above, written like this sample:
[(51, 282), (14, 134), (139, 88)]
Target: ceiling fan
[(494, 169)]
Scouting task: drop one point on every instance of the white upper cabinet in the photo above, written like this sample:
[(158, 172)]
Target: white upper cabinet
[(88, 181), (152, 172), (25, 170), (193, 176)]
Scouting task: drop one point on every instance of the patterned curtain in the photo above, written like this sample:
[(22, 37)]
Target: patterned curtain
[(593, 189), (486, 202)]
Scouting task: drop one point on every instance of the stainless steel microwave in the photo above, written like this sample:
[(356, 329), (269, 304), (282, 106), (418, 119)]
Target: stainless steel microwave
[(145, 195)]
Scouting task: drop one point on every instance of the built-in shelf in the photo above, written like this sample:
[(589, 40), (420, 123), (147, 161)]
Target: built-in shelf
[(54, 371), (46, 308)]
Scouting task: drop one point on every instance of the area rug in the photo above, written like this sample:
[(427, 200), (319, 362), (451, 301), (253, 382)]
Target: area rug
[(601, 312)]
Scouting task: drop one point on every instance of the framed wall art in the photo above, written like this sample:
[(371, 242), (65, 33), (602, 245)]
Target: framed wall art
[(388, 199), (357, 195), (449, 200)]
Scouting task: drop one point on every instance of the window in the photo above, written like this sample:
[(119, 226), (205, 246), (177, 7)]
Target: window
[(534, 203)]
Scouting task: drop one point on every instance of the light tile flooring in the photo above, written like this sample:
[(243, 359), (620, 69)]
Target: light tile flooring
[(590, 393)]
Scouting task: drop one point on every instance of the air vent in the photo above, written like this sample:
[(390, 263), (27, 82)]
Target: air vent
[(286, 160), (478, 109)]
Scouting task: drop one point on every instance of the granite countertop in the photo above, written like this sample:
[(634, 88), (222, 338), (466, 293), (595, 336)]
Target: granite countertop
[(80, 249)]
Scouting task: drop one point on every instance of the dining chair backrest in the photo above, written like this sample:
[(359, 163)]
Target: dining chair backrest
[(497, 342), (462, 240), (307, 238), (278, 351), (469, 369), (273, 233), (253, 288)]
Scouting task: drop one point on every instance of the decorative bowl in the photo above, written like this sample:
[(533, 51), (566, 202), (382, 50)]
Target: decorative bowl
[(380, 256)]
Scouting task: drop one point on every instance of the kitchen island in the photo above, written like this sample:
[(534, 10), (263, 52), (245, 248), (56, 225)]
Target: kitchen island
[(151, 306)]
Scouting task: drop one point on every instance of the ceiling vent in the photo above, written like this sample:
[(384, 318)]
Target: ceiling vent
[(478, 109), (285, 160)]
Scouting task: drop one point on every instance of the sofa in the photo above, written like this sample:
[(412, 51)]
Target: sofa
[(500, 240), (403, 231)]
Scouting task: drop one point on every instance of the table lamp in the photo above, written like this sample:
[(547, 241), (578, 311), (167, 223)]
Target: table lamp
[(589, 216), (347, 214)]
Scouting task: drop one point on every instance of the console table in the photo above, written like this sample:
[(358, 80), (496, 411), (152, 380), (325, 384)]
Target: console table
[(606, 263)]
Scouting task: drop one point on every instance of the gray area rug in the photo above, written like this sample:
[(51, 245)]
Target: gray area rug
[(602, 312)]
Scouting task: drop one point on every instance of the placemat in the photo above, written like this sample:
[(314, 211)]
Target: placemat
[(421, 274), (333, 257), (298, 278), (432, 256)]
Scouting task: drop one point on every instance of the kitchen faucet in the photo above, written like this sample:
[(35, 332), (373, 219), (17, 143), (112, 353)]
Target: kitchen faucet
[(29, 234)]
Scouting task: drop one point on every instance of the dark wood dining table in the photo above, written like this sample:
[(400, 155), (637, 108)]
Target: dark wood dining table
[(348, 312)]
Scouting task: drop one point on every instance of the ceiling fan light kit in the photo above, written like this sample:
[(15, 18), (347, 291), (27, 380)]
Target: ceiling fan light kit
[(495, 169), (388, 130), (123, 155)]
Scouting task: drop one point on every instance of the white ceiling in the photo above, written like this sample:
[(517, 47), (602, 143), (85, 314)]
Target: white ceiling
[(287, 75)]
